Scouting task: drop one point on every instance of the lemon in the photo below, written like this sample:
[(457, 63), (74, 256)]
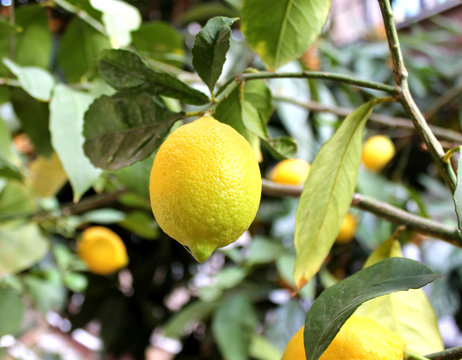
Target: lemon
[(360, 338), (290, 172), (205, 186), (102, 250), (347, 229), (377, 152)]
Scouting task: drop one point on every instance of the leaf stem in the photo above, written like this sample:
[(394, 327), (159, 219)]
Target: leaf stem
[(454, 353), (400, 75), (383, 210), (449, 153), (9, 82), (390, 121), (321, 75), (411, 355)]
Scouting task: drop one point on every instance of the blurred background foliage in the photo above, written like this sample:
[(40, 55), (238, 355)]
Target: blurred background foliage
[(163, 302)]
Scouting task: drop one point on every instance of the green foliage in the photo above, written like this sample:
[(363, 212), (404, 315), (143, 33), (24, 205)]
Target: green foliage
[(11, 311)]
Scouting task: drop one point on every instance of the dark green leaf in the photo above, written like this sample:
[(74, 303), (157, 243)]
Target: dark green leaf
[(282, 147), (33, 43), (8, 170), (11, 312), (233, 325), (124, 69), (160, 41), (283, 31), (125, 128), (79, 50), (337, 303), (210, 48), (457, 197), (136, 177), (327, 194), (67, 109), (34, 118), (201, 12)]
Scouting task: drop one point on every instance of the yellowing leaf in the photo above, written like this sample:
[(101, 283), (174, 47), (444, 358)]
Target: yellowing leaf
[(47, 176), (408, 313)]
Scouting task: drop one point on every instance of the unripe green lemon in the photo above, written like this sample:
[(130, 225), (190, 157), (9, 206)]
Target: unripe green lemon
[(290, 172), (102, 250), (377, 152), (347, 229), (205, 186), (360, 338)]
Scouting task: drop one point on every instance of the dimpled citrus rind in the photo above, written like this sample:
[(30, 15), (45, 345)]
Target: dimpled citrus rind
[(360, 338), (377, 152), (205, 186), (102, 250), (290, 172)]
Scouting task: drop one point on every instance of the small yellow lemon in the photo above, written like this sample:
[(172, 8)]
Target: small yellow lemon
[(102, 250), (377, 152), (360, 338), (290, 172), (347, 229), (205, 186)]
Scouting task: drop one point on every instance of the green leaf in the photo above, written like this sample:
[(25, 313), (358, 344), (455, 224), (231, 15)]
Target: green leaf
[(75, 281), (34, 118), (408, 313), (102, 216), (281, 147), (79, 50), (327, 194), (46, 289), (119, 18), (125, 128), (210, 48), (283, 31), (262, 251), (190, 314), (11, 312), (33, 43), (457, 196), (142, 224), (160, 41), (16, 200), (46, 176), (337, 303), (233, 325), (6, 145), (8, 170), (37, 82), (136, 177), (124, 69), (21, 246), (262, 349), (67, 109)]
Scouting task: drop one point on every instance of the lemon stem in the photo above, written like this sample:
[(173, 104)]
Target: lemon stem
[(449, 154), (411, 355), (454, 353)]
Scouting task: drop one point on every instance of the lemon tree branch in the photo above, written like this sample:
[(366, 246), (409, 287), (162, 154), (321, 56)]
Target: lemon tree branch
[(383, 210), (400, 75), (454, 353)]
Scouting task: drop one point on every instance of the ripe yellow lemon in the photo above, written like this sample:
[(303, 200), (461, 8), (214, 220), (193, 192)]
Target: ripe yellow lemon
[(102, 250), (290, 172), (347, 229), (360, 338), (205, 186), (377, 152)]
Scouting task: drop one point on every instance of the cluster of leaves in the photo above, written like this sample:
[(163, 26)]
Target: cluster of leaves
[(96, 110)]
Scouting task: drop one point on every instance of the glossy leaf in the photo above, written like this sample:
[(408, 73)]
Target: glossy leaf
[(232, 326), (67, 109), (457, 196), (327, 194), (160, 41), (283, 31), (124, 69), (21, 246), (408, 313), (336, 304), (125, 128), (11, 312), (37, 82), (34, 118), (79, 50), (210, 48), (119, 18)]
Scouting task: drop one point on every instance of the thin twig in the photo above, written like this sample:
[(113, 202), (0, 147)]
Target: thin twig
[(389, 121), (400, 75), (346, 79), (9, 82), (12, 35), (454, 353), (443, 100), (383, 210)]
